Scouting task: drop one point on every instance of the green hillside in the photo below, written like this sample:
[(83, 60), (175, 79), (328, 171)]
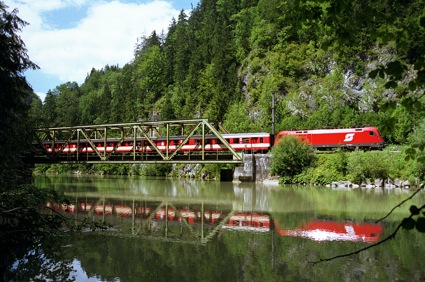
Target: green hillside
[(328, 64)]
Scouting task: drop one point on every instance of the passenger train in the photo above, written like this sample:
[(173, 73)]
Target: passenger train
[(321, 139)]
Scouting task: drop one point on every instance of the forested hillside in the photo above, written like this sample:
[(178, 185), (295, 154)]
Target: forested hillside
[(327, 63)]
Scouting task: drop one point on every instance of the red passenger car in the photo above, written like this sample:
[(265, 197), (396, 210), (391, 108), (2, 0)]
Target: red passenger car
[(363, 137)]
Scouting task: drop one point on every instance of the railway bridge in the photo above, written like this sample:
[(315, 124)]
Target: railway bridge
[(146, 142), (194, 141)]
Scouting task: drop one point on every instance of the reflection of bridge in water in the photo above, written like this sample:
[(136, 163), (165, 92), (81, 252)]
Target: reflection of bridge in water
[(197, 221)]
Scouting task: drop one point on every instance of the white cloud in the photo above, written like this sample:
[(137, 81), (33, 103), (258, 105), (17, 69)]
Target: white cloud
[(107, 35)]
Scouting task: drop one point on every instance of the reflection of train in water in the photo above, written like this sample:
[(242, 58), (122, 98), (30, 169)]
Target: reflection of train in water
[(318, 230)]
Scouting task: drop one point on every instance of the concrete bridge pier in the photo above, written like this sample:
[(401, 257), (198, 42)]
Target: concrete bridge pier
[(255, 168)]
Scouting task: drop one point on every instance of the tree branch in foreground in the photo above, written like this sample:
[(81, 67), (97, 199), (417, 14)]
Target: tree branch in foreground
[(402, 202)]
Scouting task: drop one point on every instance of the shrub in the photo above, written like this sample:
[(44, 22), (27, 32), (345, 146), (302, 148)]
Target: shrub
[(377, 164), (111, 169), (291, 156), (156, 169), (328, 168)]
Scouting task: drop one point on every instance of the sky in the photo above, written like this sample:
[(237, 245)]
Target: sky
[(67, 38)]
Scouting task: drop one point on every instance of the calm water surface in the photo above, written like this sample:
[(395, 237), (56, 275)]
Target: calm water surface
[(183, 230)]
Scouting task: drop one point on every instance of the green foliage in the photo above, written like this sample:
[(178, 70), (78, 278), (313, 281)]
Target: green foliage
[(416, 220), (416, 152), (237, 119), (111, 169), (212, 171), (25, 218), (328, 168), (14, 94), (291, 156), (358, 166), (377, 165), (155, 170)]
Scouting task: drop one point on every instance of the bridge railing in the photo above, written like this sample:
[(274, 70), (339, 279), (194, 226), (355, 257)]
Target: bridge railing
[(137, 142)]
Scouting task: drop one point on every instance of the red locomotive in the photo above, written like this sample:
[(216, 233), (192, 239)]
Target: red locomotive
[(350, 138)]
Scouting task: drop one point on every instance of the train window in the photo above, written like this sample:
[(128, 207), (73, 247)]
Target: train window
[(218, 141), (235, 140), (245, 140), (197, 141), (261, 140), (371, 133)]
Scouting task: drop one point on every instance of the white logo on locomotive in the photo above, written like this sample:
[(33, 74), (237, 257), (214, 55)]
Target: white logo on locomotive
[(349, 137)]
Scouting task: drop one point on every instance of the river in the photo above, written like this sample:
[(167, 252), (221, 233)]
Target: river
[(187, 230)]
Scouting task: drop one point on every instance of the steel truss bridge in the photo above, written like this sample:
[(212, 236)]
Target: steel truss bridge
[(60, 138)]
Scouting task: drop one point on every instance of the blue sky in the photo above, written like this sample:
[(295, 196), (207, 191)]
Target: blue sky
[(67, 38)]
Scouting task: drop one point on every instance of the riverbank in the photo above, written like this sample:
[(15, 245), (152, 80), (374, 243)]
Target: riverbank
[(340, 169), (368, 169)]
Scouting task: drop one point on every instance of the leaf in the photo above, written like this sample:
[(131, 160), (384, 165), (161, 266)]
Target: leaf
[(417, 105), (389, 105), (390, 84), (373, 74), (412, 86), (421, 159), (410, 151), (395, 69), (422, 22), (414, 210), (420, 77), (408, 223), (407, 102), (420, 224)]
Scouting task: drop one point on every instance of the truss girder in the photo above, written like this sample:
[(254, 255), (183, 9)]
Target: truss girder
[(147, 131)]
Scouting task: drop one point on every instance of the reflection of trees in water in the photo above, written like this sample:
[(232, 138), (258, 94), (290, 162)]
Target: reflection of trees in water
[(233, 254), (141, 186), (44, 261)]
